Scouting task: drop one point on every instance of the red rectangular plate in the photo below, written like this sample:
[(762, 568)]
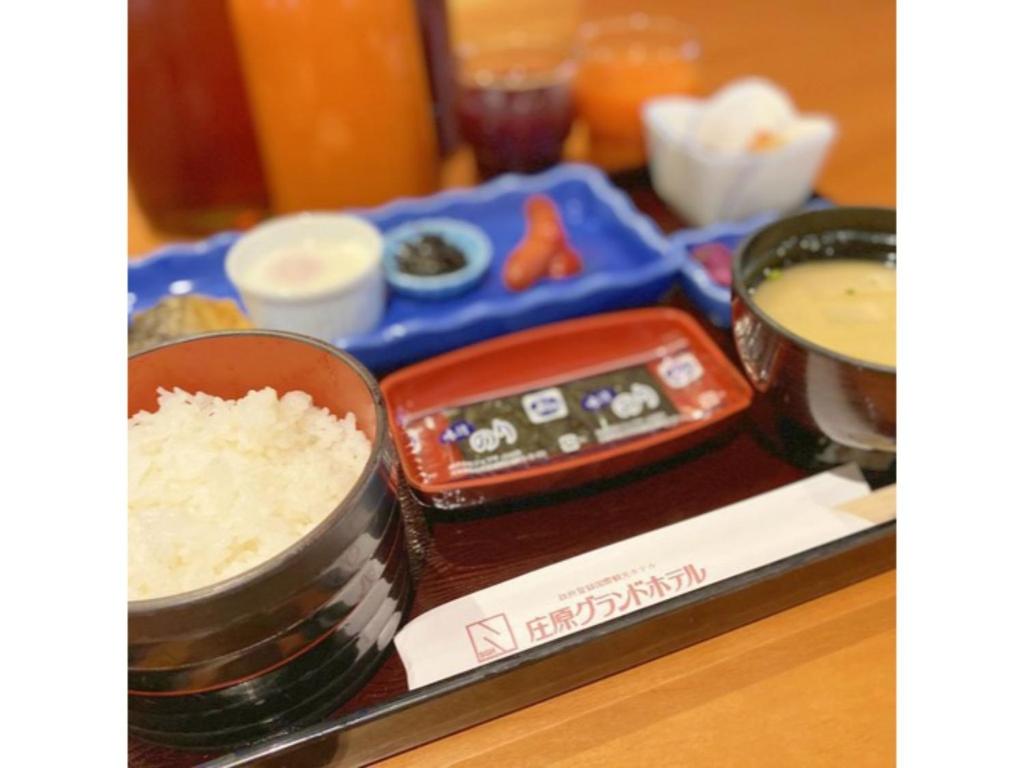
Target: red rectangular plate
[(543, 357)]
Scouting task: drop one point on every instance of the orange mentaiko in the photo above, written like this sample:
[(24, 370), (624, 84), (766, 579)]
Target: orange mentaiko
[(341, 100), (623, 63)]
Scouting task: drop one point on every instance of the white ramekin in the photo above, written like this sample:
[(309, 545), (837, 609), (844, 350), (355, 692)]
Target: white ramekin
[(349, 308)]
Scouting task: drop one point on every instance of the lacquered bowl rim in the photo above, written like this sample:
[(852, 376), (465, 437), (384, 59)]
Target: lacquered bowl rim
[(742, 291), (279, 561)]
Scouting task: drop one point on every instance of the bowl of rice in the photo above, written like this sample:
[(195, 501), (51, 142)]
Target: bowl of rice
[(267, 570)]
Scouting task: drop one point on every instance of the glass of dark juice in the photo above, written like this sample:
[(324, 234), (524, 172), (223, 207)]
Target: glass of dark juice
[(515, 102)]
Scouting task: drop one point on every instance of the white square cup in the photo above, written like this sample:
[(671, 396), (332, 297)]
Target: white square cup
[(706, 186)]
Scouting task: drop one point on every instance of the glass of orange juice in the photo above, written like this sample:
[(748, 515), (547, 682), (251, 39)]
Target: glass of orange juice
[(341, 100), (623, 62)]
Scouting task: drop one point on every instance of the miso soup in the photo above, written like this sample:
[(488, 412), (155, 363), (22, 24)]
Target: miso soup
[(845, 305)]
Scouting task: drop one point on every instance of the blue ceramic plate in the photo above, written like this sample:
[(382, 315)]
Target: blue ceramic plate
[(468, 238), (626, 264)]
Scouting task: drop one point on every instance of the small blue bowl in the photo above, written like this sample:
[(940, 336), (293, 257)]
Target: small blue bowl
[(470, 239)]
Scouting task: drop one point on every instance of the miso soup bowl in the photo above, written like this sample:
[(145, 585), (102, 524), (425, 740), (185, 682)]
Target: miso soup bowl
[(284, 643), (818, 406)]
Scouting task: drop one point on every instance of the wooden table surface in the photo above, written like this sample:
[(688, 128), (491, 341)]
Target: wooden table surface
[(814, 685)]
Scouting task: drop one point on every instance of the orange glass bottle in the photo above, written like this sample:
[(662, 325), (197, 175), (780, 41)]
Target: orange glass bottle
[(341, 100)]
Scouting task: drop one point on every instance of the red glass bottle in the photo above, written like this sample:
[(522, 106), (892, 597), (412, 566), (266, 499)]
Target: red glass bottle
[(192, 153)]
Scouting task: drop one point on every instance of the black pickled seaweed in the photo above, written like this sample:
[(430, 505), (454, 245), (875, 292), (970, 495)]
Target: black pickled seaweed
[(428, 256)]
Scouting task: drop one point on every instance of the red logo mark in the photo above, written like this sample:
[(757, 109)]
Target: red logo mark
[(491, 637)]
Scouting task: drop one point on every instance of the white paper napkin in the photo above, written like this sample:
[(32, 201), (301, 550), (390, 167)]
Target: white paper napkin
[(606, 583)]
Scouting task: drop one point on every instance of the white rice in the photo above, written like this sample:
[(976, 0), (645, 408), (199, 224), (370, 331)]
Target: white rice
[(218, 486)]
